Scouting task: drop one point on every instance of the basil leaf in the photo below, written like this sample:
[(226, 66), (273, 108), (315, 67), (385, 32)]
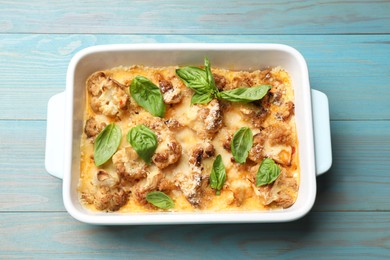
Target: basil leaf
[(199, 80), (106, 143), (241, 144), (160, 199), (194, 78), (144, 142), (268, 172), (147, 95), (245, 94), (201, 98), (218, 175), (209, 74)]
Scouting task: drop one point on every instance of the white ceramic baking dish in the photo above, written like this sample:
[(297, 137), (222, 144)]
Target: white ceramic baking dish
[(65, 123)]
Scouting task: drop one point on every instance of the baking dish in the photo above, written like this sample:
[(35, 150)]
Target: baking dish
[(65, 123)]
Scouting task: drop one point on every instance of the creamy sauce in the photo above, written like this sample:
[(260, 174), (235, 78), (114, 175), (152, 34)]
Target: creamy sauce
[(239, 191)]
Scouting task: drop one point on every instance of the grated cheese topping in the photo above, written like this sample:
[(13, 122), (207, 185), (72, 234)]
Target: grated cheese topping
[(189, 139)]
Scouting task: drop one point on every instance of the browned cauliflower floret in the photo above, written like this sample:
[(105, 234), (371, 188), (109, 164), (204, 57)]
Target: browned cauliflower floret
[(205, 120), (244, 79), (242, 189), (93, 127), (108, 194), (166, 185), (190, 181), (220, 81), (287, 110), (96, 82), (255, 115), (169, 149), (171, 94), (172, 124), (280, 193), (279, 134), (226, 144), (148, 184), (200, 151), (129, 165), (170, 88), (168, 152), (256, 152), (274, 142), (108, 97), (212, 117)]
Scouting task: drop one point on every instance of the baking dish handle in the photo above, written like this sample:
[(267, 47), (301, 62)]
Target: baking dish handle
[(321, 124), (56, 118), (55, 135)]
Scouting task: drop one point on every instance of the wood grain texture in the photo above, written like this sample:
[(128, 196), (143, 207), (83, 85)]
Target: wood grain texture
[(335, 235), (354, 71), (359, 179), (25, 185), (191, 17), (346, 44)]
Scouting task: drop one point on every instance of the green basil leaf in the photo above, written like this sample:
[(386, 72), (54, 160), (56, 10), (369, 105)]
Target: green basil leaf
[(106, 143), (245, 94), (144, 142), (201, 98), (268, 172), (218, 175), (194, 78), (199, 80), (241, 144), (147, 95), (160, 199), (209, 74)]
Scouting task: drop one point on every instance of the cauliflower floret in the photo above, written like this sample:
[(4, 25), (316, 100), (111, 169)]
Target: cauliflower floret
[(129, 165), (108, 97), (110, 102), (255, 115), (280, 134), (169, 149), (150, 183), (171, 88), (220, 81), (168, 152), (93, 127), (171, 94), (110, 200), (205, 120), (274, 142), (287, 110), (281, 192), (241, 189), (256, 152), (201, 151), (96, 82), (108, 194), (190, 182), (212, 117)]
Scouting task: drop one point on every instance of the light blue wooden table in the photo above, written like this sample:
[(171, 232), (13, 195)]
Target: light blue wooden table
[(347, 47)]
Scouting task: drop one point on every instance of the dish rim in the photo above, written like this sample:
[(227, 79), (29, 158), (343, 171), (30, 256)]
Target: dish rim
[(179, 217)]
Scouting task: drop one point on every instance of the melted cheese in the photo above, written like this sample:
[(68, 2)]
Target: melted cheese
[(239, 191)]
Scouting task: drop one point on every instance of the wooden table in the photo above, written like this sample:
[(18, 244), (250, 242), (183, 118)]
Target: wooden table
[(347, 47)]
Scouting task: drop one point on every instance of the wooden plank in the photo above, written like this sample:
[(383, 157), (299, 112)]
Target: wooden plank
[(25, 185), (359, 179), (190, 17), (336, 235), (352, 70)]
